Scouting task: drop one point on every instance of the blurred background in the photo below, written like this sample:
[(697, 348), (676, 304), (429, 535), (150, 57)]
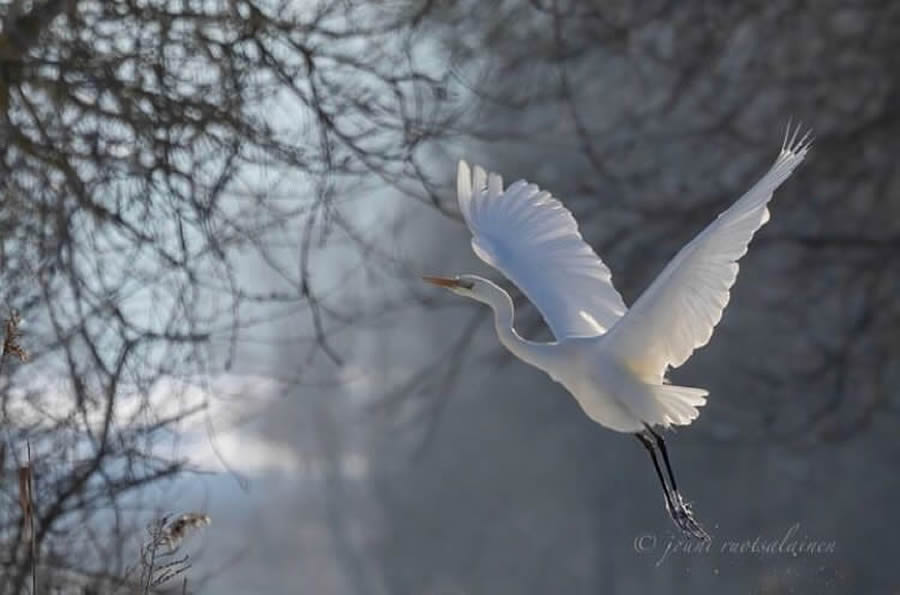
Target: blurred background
[(213, 218)]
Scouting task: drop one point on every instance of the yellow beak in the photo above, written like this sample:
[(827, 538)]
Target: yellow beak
[(442, 281)]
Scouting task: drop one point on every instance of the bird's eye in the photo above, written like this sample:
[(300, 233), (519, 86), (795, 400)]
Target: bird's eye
[(466, 284)]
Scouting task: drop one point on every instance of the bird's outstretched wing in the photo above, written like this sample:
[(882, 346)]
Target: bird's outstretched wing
[(678, 312), (533, 239)]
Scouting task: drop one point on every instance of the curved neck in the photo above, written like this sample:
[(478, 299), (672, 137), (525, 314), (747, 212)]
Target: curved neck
[(536, 354)]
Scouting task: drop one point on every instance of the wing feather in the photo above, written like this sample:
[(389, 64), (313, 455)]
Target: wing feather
[(678, 312), (534, 240)]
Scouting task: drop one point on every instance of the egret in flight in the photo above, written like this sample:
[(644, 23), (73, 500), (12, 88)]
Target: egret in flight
[(612, 359)]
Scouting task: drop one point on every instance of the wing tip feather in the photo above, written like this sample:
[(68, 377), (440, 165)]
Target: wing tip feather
[(795, 145)]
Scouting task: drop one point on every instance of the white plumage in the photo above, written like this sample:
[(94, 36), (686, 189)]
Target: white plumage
[(678, 312), (531, 238), (613, 360), (534, 240)]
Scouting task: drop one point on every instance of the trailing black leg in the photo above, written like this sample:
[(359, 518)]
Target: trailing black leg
[(648, 444), (661, 445), (679, 510)]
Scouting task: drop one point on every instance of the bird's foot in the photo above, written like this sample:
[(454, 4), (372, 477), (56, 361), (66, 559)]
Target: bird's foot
[(684, 519)]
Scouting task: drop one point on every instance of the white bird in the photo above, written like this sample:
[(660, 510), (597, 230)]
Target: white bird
[(612, 359)]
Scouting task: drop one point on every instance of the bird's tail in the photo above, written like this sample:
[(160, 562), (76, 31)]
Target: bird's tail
[(677, 405)]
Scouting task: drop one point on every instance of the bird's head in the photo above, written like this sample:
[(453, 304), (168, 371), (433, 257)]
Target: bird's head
[(470, 286)]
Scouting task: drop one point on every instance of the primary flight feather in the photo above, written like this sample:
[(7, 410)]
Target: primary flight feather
[(611, 359)]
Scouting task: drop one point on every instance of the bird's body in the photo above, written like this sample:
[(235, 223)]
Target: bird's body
[(612, 359), (609, 390), (606, 389)]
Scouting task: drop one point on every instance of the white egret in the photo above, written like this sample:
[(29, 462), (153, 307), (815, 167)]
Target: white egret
[(611, 359)]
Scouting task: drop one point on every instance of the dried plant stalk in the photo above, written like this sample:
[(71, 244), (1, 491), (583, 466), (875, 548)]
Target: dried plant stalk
[(11, 337), (158, 564)]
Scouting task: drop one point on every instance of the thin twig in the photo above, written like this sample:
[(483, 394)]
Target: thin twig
[(30, 492)]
